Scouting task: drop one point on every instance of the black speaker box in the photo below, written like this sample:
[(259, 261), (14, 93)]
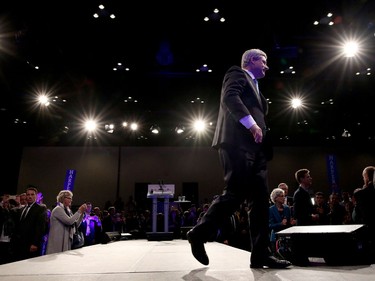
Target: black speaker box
[(111, 237), (337, 244)]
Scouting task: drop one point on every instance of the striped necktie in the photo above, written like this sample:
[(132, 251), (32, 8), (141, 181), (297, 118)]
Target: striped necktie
[(25, 211)]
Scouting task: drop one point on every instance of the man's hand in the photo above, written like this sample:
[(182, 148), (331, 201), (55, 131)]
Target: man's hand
[(257, 133)]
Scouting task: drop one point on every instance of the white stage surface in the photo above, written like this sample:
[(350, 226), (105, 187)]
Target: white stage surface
[(166, 260)]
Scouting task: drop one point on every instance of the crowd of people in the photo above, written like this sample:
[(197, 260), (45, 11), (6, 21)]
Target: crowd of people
[(30, 229), (308, 208)]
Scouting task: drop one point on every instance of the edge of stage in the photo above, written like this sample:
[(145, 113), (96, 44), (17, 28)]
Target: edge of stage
[(167, 260)]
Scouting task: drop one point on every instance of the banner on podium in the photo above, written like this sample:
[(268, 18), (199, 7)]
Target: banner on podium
[(166, 189)]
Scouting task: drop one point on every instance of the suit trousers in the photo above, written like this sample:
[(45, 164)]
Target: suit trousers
[(245, 177)]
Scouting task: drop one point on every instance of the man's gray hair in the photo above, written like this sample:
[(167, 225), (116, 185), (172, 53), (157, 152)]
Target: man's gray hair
[(252, 53)]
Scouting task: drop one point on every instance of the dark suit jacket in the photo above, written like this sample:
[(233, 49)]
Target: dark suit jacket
[(239, 99), (29, 231), (364, 209), (289, 200), (302, 207)]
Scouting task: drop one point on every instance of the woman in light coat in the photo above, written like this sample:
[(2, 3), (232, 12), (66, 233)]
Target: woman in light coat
[(63, 223)]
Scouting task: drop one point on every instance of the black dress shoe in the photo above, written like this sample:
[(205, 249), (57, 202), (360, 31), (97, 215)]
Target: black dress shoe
[(197, 248), (271, 262)]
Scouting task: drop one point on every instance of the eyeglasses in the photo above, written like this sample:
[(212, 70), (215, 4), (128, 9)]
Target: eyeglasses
[(70, 198)]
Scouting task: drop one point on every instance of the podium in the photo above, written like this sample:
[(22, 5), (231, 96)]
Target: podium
[(156, 192)]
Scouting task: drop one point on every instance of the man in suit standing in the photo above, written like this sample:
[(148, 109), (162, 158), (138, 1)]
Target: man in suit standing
[(364, 211), (30, 228), (303, 210), (240, 139), (303, 207)]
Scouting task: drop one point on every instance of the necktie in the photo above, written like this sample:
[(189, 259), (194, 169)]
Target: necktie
[(256, 84), (257, 92), (25, 211)]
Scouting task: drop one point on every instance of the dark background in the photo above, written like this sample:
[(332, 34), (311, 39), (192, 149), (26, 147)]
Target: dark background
[(163, 43)]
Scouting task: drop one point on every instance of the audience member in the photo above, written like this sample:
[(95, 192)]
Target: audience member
[(133, 224), (204, 210), (337, 212), (228, 231), (288, 200), (119, 204), (4, 198), (131, 205), (303, 210), (302, 205), (349, 206), (98, 212), (109, 219), (63, 223), (145, 223), (175, 221), (27, 239), (280, 216), (321, 208), (119, 222), (193, 214), (242, 240), (91, 226), (45, 237), (21, 199), (364, 210), (7, 225), (40, 201)]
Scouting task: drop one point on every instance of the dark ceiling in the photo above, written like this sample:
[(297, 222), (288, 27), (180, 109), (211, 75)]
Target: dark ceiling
[(160, 45)]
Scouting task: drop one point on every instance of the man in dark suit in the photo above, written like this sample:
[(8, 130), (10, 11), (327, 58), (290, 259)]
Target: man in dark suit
[(30, 228), (303, 207), (303, 210), (240, 139), (364, 211)]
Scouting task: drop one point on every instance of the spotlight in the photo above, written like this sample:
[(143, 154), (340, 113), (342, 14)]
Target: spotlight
[(180, 129), (134, 126), (346, 134), (65, 130), (155, 129), (109, 128)]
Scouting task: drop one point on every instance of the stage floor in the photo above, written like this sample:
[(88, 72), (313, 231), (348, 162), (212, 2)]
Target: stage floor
[(167, 260)]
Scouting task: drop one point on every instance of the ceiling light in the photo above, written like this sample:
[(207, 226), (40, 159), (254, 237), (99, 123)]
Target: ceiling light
[(133, 126), (180, 129), (346, 134), (109, 128), (155, 129)]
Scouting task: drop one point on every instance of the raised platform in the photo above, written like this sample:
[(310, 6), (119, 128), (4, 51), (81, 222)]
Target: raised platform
[(140, 260), (336, 244)]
